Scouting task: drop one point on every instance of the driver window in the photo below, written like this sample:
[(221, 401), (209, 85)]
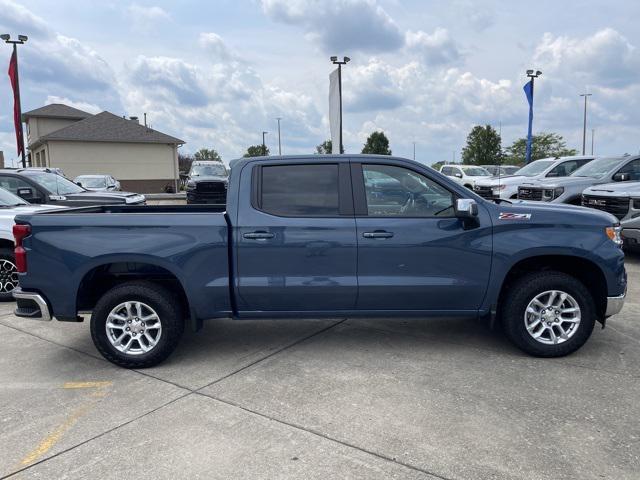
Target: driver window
[(632, 169), (399, 192)]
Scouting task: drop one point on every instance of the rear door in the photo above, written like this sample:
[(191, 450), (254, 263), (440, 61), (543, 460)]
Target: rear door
[(296, 238), (413, 253)]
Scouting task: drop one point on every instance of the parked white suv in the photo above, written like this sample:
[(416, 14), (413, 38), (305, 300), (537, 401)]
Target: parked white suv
[(507, 187), (10, 206), (465, 175)]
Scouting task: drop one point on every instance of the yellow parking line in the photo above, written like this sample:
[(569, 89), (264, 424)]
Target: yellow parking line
[(50, 440)]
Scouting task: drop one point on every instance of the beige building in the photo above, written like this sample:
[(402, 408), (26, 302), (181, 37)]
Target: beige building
[(142, 159)]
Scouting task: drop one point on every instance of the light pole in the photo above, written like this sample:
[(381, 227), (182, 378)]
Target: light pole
[(529, 92), (584, 124), (17, 108), (264, 146), (593, 134), (344, 61), (279, 144), (414, 151)]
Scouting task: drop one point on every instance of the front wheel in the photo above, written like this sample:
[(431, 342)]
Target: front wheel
[(137, 324), (548, 314)]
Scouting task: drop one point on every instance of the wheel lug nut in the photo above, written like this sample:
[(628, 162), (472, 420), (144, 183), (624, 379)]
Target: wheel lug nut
[(128, 321), (128, 329)]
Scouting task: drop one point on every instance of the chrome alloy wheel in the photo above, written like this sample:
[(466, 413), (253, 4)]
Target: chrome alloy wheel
[(8, 276), (133, 328), (552, 317)]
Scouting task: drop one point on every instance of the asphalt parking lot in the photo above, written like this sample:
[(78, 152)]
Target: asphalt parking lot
[(348, 398)]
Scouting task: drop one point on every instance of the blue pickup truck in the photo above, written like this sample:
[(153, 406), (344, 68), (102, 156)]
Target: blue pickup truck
[(322, 236)]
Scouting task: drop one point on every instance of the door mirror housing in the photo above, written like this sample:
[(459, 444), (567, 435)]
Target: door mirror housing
[(458, 175), (466, 208), (621, 177)]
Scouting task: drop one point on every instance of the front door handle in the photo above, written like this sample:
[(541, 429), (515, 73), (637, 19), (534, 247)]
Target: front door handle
[(258, 235), (378, 234)]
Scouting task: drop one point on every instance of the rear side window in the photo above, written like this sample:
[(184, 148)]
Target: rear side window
[(300, 190)]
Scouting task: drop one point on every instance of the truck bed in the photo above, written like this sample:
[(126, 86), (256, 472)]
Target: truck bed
[(210, 208)]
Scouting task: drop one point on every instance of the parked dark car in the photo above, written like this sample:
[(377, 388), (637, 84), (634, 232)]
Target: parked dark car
[(44, 187), (207, 183), (305, 237)]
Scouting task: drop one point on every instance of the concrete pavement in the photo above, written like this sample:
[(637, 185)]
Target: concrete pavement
[(323, 399)]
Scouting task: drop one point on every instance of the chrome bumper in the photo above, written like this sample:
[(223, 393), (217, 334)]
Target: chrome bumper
[(38, 300), (614, 304)]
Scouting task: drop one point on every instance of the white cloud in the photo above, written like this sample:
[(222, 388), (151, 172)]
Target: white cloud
[(213, 44), (605, 58), (437, 48), (146, 17), (84, 106), (340, 26)]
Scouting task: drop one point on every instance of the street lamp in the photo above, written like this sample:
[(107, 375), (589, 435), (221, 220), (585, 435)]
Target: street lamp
[(264, 146), (279, 144), (344, 61), (584, 124), (18, 108), (529, 92)]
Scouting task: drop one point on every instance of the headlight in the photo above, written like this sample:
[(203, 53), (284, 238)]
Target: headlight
[(191, 185), (551, 193), (614, 234), (497, 188)]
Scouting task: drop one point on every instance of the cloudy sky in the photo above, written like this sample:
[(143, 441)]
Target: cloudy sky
[(218, 73)]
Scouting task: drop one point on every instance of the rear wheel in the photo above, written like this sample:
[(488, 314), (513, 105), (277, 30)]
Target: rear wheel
[(548, 314), (8, 274), (137, 324)]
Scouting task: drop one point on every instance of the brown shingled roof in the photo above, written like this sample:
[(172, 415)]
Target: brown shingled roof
[(107, 127), (56, 110)]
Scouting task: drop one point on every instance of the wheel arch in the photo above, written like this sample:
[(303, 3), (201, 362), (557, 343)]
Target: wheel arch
[(103, 276), (583, 269)]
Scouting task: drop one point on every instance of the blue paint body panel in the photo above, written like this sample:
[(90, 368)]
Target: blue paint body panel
[(314, 267)]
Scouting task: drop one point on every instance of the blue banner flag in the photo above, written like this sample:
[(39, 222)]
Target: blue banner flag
[(528, 91)]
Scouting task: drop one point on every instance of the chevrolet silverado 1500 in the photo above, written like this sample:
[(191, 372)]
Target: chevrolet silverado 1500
[(322, 236)]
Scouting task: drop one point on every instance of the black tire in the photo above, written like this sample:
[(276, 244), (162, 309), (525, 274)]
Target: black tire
[(524, 290), (166, 305), (7, 255)]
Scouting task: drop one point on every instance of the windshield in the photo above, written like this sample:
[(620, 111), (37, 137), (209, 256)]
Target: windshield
[(55, 184), (476, 172), (92, 182), (208, 170), (597, 168), (8, 199), (535, 168)]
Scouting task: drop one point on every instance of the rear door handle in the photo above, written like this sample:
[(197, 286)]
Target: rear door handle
[(378, 234), (258, 235)]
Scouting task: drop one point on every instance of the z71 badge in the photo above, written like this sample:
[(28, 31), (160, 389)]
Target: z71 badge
[(514, 216)]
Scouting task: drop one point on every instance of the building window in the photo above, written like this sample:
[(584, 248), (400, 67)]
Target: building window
[(43, 159)]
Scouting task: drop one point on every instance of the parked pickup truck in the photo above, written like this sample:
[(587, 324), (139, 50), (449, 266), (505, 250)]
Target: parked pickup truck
[(322, 236), (621, 199)]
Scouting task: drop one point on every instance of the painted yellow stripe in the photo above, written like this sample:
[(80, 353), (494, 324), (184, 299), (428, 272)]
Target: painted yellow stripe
[(87, 384), (50, 440)]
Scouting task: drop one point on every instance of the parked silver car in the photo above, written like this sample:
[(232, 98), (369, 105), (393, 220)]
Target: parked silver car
[(98, 183), (622, 199), (569, 189)]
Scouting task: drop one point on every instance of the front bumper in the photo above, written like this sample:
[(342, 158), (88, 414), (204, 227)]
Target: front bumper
[(31, 305), (614, 304)]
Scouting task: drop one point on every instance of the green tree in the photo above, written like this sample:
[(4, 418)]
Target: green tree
[(543, 145), (377, 143), (437, 165), (326, 148), (184, 162), (256, 151), (207, 154), (484, 146)]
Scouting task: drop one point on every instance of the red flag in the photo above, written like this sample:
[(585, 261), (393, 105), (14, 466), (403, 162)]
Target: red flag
[(17, 122)]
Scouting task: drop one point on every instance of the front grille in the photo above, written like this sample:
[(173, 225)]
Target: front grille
[(529, 193), (485, 192), (618, 206), (211, 187)]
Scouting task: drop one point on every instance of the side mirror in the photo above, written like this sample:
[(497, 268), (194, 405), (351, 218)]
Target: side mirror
[(466, 208), (459, 175), (621, 177), (79, 184), (25, 193)]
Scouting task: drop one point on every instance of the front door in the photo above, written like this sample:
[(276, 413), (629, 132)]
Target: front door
[(413, 253), (296, 239)]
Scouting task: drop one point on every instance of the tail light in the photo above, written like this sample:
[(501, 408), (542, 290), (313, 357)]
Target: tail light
[(19, 233)]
